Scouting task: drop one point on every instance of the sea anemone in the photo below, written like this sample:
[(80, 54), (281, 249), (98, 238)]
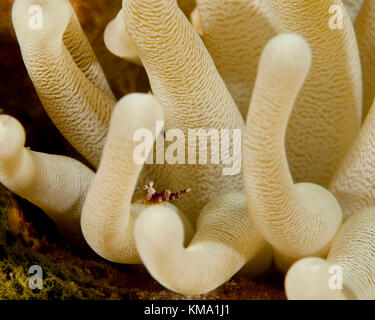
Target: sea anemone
[(291, 69)]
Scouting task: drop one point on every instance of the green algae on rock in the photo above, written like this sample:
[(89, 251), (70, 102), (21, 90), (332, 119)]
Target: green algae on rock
[(63, 278)]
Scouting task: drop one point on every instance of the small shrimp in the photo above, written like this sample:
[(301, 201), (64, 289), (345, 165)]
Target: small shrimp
[(166, 195)]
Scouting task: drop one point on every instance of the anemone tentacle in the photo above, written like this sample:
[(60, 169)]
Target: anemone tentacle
[(327, 114), (184, 79), (235, 33), (66, 74), (354, 181), (348, 272), (225, 241), (108, 215), (56, 184), (296, 219), (365, 30)]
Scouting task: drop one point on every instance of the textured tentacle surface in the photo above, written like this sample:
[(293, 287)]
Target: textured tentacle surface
[(67, 77), (108, 216), (225, 240), (354, 182), (235, 33), (365, 31), (348, 272), (116, 36), (354, 250), (184, 79), (56, 184), (82, 53), (327, 115), (300, 219)]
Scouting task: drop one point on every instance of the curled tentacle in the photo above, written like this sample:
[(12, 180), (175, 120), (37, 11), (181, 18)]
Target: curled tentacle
[(66, 74), (326, 117), (56, 184), (348, 272), (296, 219), (225, 241), (108, 215)]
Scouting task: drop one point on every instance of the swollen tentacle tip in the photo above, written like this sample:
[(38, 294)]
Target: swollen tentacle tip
[(159, 225), (12, 137), (290, 49), (41, 19), (118, 42), (138, 104), (313, 279)]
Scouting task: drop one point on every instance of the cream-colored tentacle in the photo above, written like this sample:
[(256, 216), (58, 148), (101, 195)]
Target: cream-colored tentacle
[(108, 215), (184, 79), (117, 40), (354, 181), (56, 184), (348, 272), (327, 114), (296, 219), (235, 33), (365, 31), (225, 241), (71, 85)]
